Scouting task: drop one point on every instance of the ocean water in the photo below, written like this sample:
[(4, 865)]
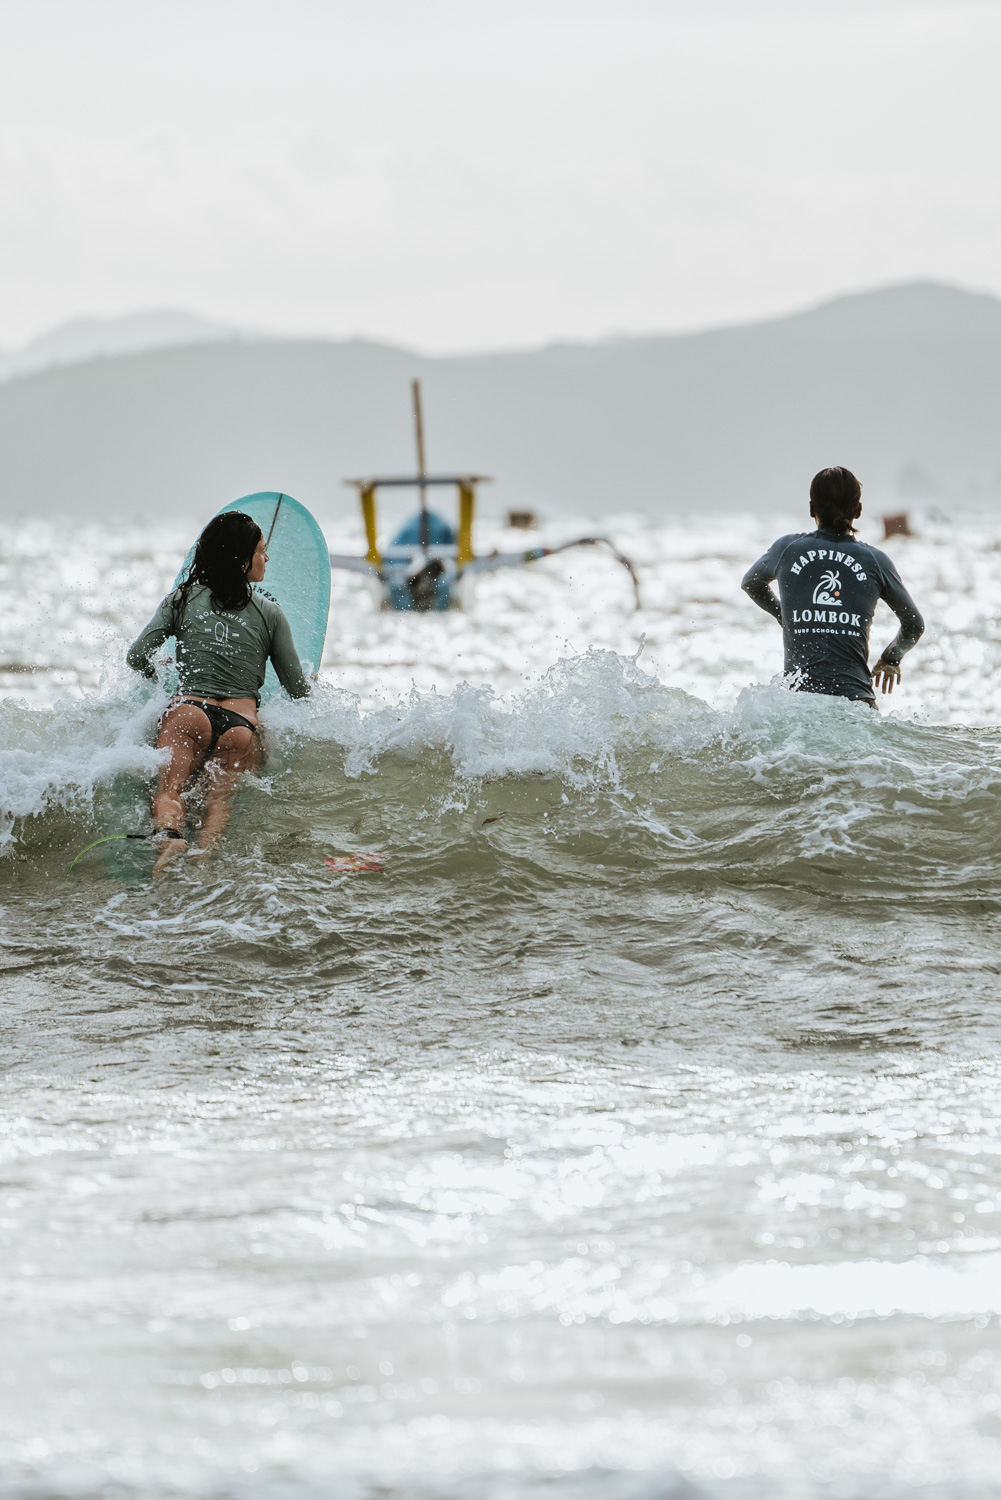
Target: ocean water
[(635, 1136)]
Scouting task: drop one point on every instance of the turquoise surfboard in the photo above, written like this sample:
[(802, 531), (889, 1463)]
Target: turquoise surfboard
[(298, 574)]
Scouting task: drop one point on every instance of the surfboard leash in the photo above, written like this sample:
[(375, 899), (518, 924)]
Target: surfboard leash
[(162, 833), (274, 520)]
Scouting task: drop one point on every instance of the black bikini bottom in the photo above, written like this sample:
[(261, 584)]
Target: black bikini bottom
[(220, 719)]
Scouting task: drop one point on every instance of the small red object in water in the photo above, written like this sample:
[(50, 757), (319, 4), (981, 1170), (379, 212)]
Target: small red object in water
[(357, 864)]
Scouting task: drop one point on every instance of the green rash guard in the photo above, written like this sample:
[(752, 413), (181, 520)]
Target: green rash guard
[(222, 653)]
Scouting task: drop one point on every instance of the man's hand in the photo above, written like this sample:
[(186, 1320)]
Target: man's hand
[(885, 674)]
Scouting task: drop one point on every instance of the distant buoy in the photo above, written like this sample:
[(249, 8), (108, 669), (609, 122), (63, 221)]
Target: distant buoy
[(897, 524)]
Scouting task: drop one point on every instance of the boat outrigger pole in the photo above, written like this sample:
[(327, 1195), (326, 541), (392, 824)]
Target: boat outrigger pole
[(620, 557)]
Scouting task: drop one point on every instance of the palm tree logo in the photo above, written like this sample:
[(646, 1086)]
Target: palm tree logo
[(828, 590)]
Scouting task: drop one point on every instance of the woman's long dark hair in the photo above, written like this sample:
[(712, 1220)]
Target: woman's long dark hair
[(836, 500), (223, 554)]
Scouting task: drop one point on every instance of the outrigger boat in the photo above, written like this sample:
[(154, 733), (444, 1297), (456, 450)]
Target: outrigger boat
[(423, 565)]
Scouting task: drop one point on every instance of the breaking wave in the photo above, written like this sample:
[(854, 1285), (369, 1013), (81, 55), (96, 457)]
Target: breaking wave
[(782, 785)]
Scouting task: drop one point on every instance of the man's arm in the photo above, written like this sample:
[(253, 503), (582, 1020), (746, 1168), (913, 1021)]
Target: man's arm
[(759, 577), (886, 672)]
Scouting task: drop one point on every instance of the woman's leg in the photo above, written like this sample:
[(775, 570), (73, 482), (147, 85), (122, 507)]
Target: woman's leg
[(237, 751), (186, 732)]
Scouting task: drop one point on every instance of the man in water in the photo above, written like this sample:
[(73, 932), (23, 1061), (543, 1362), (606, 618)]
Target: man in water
[(829, 584)]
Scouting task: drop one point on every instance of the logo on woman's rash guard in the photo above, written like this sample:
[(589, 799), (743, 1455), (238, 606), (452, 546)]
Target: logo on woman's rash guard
[(828, 590)]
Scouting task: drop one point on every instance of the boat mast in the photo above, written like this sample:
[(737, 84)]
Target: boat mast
[(425, 531)]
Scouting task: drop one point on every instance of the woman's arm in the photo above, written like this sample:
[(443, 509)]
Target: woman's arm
[(285, 659), (140, 654), (757, 581)]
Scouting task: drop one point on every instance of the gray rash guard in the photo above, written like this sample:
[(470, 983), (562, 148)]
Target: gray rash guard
[(829, 585), (222, 653)]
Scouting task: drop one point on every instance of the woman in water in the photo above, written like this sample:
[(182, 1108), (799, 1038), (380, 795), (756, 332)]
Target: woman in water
[(226, 634), (829, 584)]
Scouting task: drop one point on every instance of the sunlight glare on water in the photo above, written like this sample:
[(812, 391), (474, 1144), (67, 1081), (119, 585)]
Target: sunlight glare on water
[(634, 1137)]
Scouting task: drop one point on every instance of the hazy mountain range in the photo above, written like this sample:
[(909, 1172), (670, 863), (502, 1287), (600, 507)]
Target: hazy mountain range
[(179, 414), (97, 338)]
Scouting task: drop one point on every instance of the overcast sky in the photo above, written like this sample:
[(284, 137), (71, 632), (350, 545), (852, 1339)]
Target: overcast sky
[(456, 174)]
